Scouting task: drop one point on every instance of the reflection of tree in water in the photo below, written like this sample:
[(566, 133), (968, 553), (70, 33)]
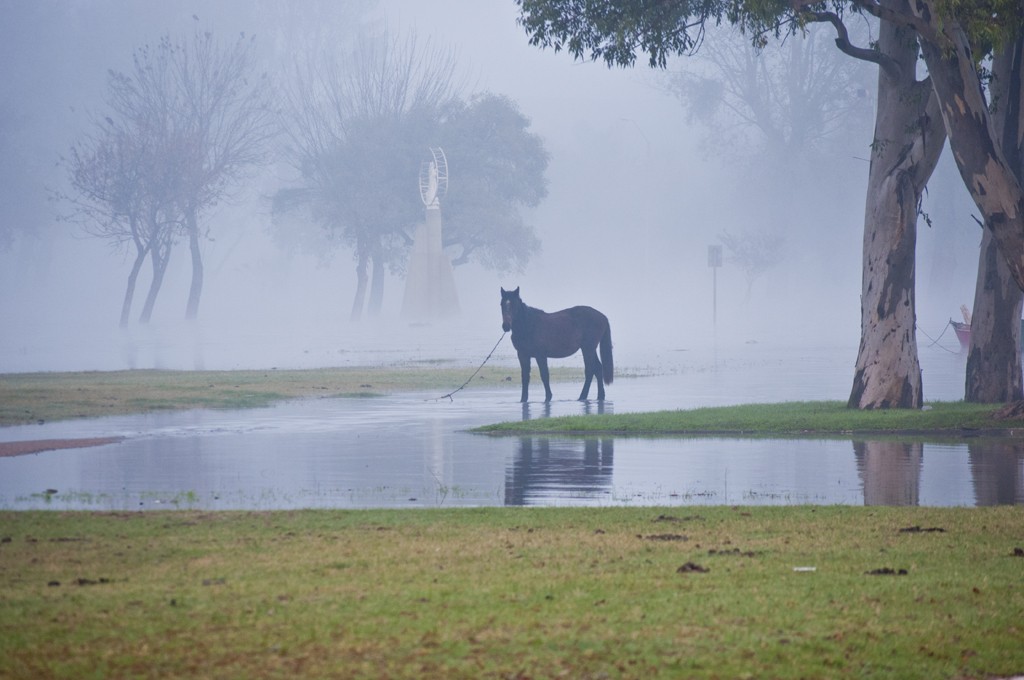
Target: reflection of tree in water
[(997, 471), (890, 471), (569, 468)]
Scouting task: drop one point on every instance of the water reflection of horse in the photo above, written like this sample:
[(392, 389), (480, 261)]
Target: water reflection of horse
[(539, 335), (544, 468)]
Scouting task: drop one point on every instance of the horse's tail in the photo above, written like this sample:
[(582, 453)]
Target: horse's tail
[(606, 355)]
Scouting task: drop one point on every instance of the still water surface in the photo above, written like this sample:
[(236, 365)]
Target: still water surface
[(412, 450)]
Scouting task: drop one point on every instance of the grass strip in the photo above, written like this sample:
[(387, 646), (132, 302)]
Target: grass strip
[(34, 397), (838, 592), (940, 419)]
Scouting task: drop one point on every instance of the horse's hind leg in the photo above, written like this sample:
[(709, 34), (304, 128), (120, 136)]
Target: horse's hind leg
[(591, 368), (586, 384), (542, 364)]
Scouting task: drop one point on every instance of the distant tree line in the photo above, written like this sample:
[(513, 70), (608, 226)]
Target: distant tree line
[(193, 119)]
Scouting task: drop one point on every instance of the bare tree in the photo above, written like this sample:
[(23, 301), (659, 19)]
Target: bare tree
[(786, 100), (184, 126), (226, 121), (784, 105), (121, 196)]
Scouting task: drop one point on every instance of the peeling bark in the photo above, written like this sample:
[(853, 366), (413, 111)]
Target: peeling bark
[(993, 361), (908, 140), (994, 358), (992, 182)]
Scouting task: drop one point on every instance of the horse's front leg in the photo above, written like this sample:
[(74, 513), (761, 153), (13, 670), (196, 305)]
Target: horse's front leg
[(588, 374), (524, 369), (542, 364)]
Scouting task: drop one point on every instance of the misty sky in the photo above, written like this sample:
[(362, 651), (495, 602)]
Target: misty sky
[(636, 195)]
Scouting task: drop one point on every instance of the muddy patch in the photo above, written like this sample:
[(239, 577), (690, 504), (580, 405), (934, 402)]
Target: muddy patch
[(922, 530), (662, 537), (692, 568), (887, 571), (8, 449)]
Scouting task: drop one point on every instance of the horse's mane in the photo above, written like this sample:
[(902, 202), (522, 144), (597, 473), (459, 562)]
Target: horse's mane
[(532, 309), (529, 315)]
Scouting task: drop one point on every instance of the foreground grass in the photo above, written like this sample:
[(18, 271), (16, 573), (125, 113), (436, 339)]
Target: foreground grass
[(789, 419), (514, 593), (31, 397)]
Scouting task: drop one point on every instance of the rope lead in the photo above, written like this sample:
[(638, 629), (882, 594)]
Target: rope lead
[(451, 394)]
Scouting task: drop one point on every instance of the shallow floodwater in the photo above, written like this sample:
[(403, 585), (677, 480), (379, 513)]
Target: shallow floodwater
[(413, 450)]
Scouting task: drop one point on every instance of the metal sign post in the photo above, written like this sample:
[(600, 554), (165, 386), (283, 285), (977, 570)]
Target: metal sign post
[(714, 261)]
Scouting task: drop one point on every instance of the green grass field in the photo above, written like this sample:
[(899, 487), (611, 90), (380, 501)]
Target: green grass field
[(35, 397), (32, 397), (940, 419), (827, 592)]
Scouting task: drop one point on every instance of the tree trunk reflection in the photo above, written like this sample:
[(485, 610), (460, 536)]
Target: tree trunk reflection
[(890, 471)]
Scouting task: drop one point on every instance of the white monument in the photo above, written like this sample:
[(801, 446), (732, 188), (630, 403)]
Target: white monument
[(429, 282)]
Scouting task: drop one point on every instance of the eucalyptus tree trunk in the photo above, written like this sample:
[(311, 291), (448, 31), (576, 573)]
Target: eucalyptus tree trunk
[(994, 185), (196, 289), (994, 360), (907, 142)]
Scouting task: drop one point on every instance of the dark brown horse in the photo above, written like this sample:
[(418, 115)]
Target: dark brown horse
[(539, 335)]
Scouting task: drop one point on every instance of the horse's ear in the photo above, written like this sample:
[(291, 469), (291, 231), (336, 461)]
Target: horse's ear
[(516, 291), (503, 292)]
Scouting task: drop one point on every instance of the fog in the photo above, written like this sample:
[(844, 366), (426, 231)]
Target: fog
[(636, 196)]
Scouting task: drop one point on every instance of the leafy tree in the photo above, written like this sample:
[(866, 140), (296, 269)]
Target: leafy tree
[(887, 373), (360, 130), (498, 166), (357, 129), (982, 123), (952, 36)]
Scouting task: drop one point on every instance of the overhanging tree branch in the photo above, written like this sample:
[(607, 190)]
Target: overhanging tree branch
[(889, 65)]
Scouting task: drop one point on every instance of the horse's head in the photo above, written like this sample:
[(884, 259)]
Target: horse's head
[(511, 306)]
